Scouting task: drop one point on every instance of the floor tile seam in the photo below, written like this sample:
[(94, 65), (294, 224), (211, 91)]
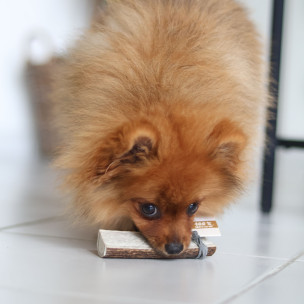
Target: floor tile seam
[(46, 236), (262, 278), (29, 223), (256, 256), (88, 296)]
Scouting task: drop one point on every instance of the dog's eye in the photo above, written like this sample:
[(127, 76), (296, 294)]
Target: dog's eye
[(192, 208), (149, 210)]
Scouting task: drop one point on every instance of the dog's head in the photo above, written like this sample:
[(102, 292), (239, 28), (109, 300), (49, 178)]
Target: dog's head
[(160, 175)]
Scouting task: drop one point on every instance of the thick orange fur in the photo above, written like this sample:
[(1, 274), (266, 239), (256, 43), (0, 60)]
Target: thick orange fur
[(163, 101)]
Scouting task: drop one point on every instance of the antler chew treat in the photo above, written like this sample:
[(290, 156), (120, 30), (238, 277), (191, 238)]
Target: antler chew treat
[(132, 245)]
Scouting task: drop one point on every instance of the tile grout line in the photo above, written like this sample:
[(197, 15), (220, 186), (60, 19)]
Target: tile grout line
[(255, 256), (87, 296), (47, 219), (261, 279), (49, 236)]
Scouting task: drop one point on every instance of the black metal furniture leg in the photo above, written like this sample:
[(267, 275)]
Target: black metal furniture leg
[(269, 154)]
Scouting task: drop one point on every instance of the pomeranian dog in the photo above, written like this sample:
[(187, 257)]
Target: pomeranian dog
[(162, 104)]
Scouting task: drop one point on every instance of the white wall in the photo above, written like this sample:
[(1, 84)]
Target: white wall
[(58, 19), (63, 19), (291, 99), (291, 94)]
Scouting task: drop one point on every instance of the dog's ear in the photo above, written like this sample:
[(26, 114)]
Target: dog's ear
[(141, 149), (130, 147), (226, 143)]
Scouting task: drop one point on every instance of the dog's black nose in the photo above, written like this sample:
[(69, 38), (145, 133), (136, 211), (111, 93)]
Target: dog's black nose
[(174, 248)]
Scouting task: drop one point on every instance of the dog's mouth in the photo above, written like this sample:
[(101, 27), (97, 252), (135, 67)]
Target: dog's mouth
[(167, 255), (169, 250)]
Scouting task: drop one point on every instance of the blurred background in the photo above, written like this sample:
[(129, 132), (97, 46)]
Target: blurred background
[(36, 33)]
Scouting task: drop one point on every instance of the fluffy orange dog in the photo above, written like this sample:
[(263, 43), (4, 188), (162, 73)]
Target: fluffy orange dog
[(162, 104)]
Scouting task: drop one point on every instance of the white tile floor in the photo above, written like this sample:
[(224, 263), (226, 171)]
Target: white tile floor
[(44, 259)]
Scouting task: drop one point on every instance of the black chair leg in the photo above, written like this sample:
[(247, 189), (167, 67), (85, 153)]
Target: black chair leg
[(269, 155)]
